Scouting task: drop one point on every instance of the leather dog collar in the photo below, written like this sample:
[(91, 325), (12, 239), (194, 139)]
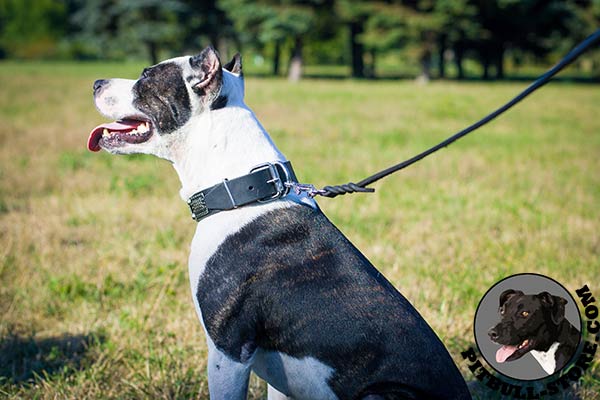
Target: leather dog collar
[(265, 182)]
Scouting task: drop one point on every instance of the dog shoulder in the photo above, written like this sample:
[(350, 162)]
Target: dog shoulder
[(291, 270)]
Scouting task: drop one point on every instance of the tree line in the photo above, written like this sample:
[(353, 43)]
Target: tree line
[(356, 33)]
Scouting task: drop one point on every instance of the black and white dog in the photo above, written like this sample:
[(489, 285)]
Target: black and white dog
[(536, 324), (279, 290)]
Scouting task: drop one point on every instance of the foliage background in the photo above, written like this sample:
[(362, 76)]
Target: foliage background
[(372, 38)]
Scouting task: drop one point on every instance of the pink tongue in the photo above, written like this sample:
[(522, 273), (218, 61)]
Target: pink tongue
[(504, 352), (96, 134)]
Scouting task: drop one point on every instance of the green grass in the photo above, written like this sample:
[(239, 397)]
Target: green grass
[(95, 303)]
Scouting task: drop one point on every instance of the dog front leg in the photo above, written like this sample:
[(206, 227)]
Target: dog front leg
[(227, 379), (274, 394)]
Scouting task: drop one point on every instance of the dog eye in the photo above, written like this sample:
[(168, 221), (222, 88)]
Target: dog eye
[(524, 313)]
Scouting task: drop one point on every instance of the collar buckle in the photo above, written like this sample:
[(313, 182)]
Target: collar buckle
[(273, 180), (276, 179)]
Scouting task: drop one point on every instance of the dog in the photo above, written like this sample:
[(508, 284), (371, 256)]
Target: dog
[(279, 290), (536, 324)]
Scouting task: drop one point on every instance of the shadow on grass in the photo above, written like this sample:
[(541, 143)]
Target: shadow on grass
[(25, 358)]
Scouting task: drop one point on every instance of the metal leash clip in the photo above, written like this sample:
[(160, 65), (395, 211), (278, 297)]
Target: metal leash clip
[(307, 188)]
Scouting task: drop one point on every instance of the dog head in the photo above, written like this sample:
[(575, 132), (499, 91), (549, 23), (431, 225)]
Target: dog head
[(527, 322), (162, 102)]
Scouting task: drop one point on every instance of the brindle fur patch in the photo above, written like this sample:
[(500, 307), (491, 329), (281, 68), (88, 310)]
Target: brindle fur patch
[(290, 282), (161, 93)]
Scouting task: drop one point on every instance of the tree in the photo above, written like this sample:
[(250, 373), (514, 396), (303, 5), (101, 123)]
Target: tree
[(206, 21), (354, 14), (457, 28), (532, 26), (30, 29), (276, 22), (396, 24), (120, 28), (154, 22)]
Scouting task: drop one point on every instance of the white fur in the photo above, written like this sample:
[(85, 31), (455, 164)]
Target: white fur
[(305, 378), (547, 359), (302, 379), (212, 146), (274, 394), (223, 144), (227, 379), (235, 141), (116, 101)]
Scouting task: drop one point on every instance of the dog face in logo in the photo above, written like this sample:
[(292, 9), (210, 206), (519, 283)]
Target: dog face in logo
[(528, 322)]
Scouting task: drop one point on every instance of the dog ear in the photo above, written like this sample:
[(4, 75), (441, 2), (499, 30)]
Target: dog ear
[(208, 67), (235, 65), (555, 304), (507, 294)]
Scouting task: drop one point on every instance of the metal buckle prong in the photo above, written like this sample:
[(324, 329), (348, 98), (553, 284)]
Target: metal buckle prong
[(280, 185)]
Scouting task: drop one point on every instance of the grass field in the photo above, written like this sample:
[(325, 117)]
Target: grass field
[(94, 297)]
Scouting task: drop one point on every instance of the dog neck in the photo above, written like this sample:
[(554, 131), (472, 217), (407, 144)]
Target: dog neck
[(220, 144)]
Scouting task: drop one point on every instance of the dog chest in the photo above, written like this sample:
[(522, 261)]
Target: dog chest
[(547, 359)]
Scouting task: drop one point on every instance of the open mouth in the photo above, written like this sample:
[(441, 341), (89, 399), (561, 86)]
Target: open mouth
[(510, 353), (118, 133)]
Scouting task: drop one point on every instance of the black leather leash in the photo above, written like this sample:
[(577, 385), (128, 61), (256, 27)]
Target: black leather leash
[(333, 191), (271, 181)]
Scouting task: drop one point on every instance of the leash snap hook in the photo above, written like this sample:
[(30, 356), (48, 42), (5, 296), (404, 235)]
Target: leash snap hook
[(307, 188)]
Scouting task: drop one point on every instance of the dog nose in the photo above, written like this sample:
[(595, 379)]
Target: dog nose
[(99, 84), (493, 334)]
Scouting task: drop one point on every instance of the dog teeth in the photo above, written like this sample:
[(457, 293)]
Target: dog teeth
[(140, 130), (143, 128)]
